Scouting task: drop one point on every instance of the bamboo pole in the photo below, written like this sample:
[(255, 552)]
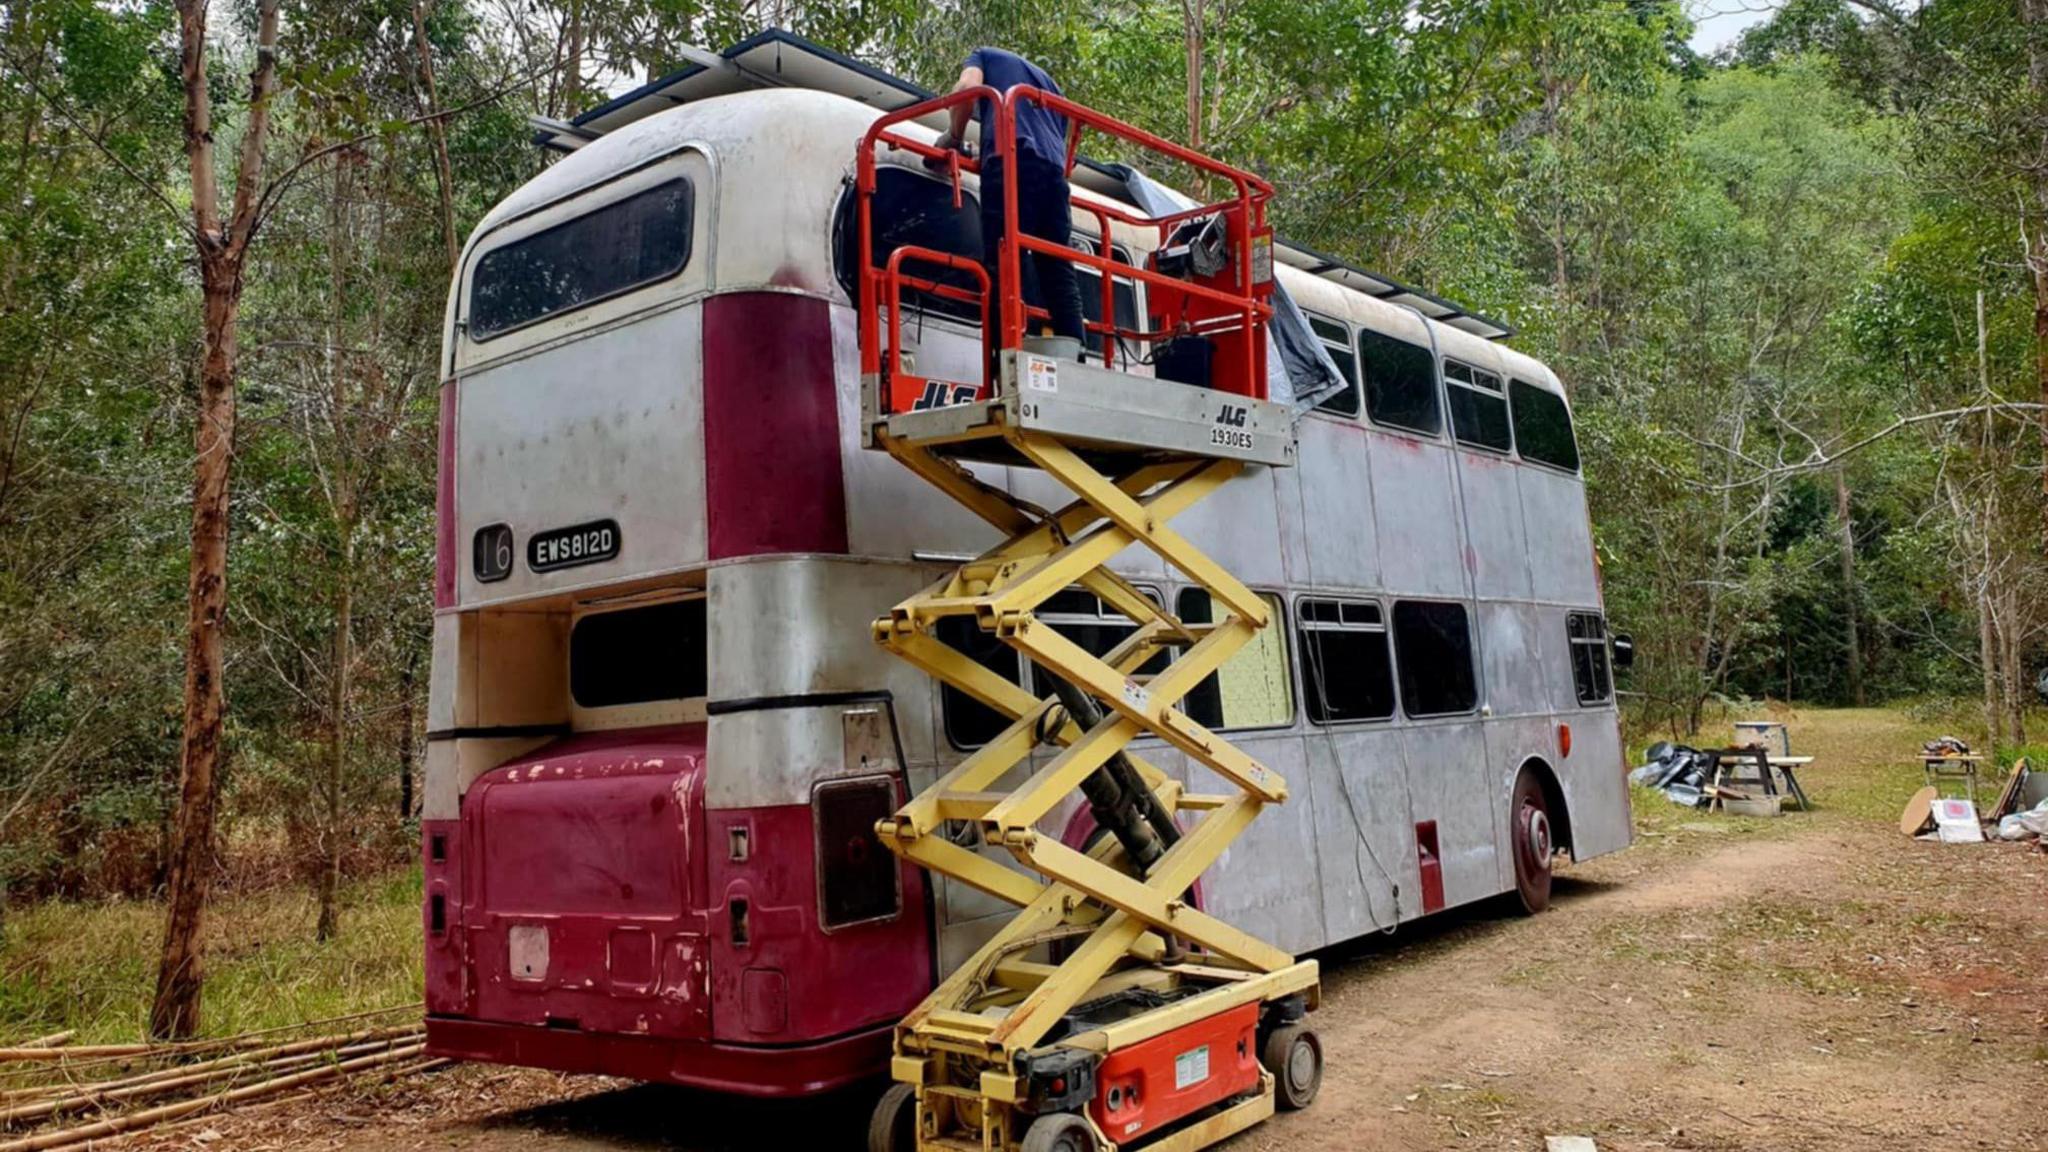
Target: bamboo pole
[(312, 1044), (389, 1075), (53, 1040), (252, 1039), (98, 1095), (150, 1116)]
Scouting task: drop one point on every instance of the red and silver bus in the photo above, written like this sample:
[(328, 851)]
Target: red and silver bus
[(661, 733)]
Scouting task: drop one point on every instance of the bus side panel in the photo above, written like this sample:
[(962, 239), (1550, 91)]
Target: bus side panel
[(1595, 785), (1560, 539), (1259, 885), (1510, 743), (1421, 549), (1448, 783), (1496, 549), (1361, 868)]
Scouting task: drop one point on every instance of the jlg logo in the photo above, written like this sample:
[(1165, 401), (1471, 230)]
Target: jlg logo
[(943, 394), (1233, 415)]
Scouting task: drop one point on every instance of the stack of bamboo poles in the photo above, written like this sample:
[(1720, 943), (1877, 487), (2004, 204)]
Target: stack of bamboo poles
[(48, 1084)]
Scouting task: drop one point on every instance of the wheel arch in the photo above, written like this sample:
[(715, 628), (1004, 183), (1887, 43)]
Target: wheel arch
[(1553, 799)]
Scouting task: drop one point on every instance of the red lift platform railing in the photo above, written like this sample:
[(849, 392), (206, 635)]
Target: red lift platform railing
[(1229, 307)]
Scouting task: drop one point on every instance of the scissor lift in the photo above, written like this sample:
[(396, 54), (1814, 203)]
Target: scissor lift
[(1111, 1011)]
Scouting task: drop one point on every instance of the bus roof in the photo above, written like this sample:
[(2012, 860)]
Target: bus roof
[(775, 58)]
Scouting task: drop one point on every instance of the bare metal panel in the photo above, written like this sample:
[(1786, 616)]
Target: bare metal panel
[(1253, 886), (1237, 528), (1448, 783), (792, 627), (1592, 777), (1520, 670), (1364, 847), (610, 427), (1332, 492), (1560, 537), (1509, 745), (1416, 516), (1499, 554)]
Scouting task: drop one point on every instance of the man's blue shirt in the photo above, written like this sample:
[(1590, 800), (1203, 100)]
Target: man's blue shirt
[(1040, 130)]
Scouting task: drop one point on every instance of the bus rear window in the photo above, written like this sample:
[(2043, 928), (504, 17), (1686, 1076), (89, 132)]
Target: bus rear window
[(1543, 426), (619, 247), (915, 210), (639, 655)]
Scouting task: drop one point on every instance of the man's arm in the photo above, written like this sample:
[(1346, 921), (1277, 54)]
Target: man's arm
[(970, 77)]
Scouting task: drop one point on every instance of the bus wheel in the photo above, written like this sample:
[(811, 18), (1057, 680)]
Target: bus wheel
[(1529, 828), (893, 1127), (1294, 1055), (1059, 1132)]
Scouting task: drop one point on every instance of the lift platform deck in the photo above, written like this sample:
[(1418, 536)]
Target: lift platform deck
[(1111, 1011)]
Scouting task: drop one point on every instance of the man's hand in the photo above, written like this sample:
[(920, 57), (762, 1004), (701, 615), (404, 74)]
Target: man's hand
[(946, 143)]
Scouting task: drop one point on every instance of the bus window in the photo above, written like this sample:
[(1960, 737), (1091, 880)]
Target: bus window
[(970, 723), (1337, 342), (1082, 617), (639, 655), (1346, 672), (1479, 410), (1251, 689), (910, 208), (1079, 615), (1543, 426), (1434, 647), (1400, 383), (1123, 293), (616, 248), (1590, 673)]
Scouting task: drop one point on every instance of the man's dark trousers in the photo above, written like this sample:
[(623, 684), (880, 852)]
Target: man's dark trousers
[(1042, 211)]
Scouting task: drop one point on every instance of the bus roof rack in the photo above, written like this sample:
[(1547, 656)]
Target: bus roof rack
[(776, 58)]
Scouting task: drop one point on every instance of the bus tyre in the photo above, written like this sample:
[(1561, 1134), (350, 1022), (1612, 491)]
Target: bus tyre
[(1294, 1055), (1059, 1132), (893, 1127), (1529, 828)]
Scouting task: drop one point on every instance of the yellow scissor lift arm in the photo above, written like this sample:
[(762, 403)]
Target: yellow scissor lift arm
[(1007, 1051)]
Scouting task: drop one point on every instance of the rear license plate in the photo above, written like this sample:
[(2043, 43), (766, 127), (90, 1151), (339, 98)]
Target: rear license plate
[(568, 547)]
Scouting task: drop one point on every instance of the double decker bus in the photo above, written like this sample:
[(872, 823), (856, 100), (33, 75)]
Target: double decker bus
[(660, 733)]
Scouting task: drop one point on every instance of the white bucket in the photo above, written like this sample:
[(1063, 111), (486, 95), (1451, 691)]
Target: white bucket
[(1057, 347)]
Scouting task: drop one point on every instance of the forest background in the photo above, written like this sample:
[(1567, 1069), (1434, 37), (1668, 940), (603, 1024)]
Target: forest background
[(1798, 289)]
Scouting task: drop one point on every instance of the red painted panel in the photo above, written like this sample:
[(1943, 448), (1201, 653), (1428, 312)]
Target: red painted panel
[(585, 865), (1158, 1081), (588, 929), (441, 913), (445, 560), (792, 981), (1430, 863), (742, 1070), (772, 473)]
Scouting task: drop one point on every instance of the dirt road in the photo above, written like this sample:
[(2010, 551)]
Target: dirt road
[(1813, 982)]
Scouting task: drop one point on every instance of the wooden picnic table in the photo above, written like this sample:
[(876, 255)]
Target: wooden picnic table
[(1765, 764)]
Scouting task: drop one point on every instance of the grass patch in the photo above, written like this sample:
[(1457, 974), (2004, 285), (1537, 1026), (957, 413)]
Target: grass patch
[(92, 967)]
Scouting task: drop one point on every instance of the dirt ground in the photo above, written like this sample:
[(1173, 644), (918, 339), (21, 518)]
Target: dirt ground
[(1811, 982)]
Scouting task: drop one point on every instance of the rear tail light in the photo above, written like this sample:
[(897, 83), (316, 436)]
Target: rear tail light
[(858, 879)]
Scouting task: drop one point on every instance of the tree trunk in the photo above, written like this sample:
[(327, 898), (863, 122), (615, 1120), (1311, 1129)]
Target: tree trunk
[(1192, 19), (2034, 14), (331, 838), (437, 132), (406, 680), (222, 249), (175, 1013), (1850, 636)]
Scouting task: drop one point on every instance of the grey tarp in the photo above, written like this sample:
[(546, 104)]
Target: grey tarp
[(1299, 372)]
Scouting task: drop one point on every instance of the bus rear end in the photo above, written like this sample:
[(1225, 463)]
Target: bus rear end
[(656, 753)]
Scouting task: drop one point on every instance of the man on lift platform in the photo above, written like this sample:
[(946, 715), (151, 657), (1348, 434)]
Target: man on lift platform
[(1042, 199)]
